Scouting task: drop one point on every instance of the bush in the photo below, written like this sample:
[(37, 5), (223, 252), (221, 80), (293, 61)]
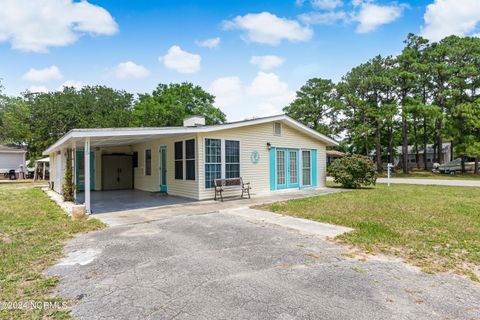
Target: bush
[(353, 171)]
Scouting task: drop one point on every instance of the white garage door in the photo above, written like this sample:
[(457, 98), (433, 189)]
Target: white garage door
[(9, 161)]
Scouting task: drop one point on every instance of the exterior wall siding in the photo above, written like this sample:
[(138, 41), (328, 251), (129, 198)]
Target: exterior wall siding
[(252, 138), (255, 138), (184, 188)]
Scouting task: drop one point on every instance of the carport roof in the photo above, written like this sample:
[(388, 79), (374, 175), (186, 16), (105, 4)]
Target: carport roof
[(102, 137)]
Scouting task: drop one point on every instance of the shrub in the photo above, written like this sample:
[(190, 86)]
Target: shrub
[(353, 171), (68, 186)]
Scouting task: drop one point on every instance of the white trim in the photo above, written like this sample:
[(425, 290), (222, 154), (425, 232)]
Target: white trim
[(150, 133), (184, 158)]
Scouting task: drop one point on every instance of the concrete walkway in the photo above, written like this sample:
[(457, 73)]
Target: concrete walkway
[(126, 215), (438, 182)]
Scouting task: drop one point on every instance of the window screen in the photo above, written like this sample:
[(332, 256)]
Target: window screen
[(190, 159), (213, 161), (148, 162), (232, 159), (179, 160)]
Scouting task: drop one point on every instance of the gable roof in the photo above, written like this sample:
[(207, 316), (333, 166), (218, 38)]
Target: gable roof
[(137, 135)]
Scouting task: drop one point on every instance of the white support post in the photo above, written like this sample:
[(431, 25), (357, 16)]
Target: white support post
[(86, 174), (74, 176)]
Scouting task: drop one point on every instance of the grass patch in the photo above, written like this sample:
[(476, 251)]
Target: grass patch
[(434, 227), (32, 234), (433, 175)]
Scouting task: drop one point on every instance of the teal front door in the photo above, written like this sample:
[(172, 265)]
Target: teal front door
[(80, 171), (163, 168), (287, 164)]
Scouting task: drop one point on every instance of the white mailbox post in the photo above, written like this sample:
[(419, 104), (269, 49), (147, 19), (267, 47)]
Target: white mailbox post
[(389, 172)]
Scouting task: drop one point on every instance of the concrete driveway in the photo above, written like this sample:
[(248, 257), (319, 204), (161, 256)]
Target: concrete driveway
[(244, 264)]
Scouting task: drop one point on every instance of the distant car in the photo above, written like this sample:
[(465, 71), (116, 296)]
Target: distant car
[(453, 167)]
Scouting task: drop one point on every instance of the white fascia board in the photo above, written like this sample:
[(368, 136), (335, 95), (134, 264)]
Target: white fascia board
[(114, 132)]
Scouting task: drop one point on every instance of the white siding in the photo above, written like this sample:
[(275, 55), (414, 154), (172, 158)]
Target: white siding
[(255, 138), (184, 188)]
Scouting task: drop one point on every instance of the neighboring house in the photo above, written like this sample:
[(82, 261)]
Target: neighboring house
[(332, 155), (412, 161), (12, 158), (271, 153)]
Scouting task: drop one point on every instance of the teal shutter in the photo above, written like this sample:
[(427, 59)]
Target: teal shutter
[(314, 168), (272, 169)]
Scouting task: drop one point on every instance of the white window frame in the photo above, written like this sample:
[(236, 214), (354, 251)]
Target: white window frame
[(184, 159), (274, 131), (301, 168), (145, 162), (222, 158)]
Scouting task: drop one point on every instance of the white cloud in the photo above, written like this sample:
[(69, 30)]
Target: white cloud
[(38, 89), (227, 90), (450, 17), (209, 43), (129, 70), (43, 75), (267, 62), (71, 83), (181, 61), (328, 18), (269, 86), (372, 16), (265, 95), (37, 25), (267, 28), (326, 4)]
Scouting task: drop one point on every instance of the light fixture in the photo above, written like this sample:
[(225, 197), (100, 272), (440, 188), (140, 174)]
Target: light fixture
[(269, 145)]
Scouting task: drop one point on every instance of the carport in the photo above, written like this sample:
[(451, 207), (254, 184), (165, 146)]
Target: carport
[(80, 149), (123, 200)]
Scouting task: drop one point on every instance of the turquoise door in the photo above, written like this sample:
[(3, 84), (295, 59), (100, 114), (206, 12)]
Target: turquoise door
[(163, 168), (286, 165), (80, 171), (292, 168)]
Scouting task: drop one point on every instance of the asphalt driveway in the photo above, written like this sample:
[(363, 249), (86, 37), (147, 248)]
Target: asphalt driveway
[(232, 265)]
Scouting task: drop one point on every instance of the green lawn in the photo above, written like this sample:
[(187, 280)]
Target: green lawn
[(434, 227), (432, 175), (32, 234)]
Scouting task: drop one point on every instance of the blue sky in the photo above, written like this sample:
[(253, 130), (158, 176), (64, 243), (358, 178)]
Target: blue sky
[(253, 55)]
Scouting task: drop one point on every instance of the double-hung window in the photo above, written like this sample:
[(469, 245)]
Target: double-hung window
[(232, 159), (213, 161), (185, 160), (306, 168), (148, 162), (190, 159), (179, 160)]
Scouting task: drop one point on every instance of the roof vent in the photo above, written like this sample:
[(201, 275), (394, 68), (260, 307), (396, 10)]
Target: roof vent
[(194, 121)]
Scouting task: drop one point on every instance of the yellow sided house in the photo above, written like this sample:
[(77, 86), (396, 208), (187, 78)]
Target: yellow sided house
[(271, 153)]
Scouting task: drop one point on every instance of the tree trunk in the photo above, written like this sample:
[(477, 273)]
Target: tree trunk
[(390, 144), (417, 155), (475, 170), (378, 148), (404, 144), (451, 150), (463, 163), (439, 144), (425, 145)]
